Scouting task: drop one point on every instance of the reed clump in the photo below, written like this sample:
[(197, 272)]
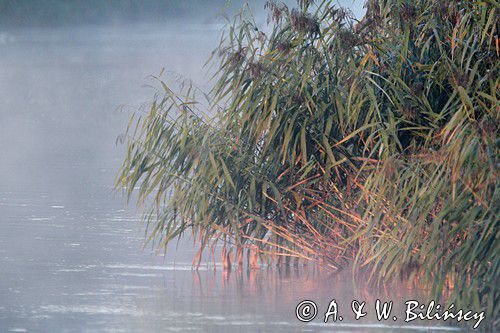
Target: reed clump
[(371, 144)]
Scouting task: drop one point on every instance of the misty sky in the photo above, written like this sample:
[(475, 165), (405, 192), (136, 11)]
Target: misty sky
[(28, 13)]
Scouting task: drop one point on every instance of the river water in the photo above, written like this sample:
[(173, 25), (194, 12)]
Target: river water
[(71, 252)]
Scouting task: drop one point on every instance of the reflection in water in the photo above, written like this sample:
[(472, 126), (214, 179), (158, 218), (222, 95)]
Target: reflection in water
[(70, 255)]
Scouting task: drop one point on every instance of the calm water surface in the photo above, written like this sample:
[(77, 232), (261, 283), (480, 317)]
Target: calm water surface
[(71, 255)]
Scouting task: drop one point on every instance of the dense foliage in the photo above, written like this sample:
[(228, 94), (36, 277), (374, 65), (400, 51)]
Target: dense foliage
[(372, 144)]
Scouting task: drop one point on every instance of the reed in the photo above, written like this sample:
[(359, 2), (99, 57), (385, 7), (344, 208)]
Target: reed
[(371, 144)]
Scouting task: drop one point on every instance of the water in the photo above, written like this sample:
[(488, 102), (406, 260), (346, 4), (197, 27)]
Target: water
[(71, 255)]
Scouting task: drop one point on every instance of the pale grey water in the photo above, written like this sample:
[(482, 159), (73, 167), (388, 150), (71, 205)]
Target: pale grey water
[(71, 257)]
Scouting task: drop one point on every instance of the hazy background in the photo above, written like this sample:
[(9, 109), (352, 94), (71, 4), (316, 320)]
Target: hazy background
[(73, 12), (50, 13)]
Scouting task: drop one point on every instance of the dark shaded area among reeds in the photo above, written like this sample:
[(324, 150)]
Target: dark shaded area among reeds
[(370, 144)]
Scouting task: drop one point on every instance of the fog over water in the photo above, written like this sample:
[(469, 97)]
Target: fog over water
[(71, 252)]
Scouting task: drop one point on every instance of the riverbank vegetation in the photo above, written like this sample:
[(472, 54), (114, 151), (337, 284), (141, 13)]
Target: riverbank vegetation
[(368, 144)]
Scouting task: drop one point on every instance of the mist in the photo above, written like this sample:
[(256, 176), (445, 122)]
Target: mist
[(53, 13)]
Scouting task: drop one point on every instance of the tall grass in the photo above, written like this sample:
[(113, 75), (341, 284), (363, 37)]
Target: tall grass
[(369, 143)]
